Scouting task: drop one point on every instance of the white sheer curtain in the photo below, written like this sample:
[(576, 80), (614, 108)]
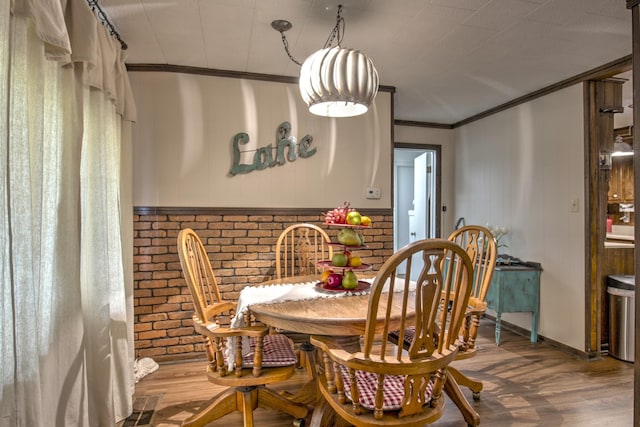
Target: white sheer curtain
[(67, 340)]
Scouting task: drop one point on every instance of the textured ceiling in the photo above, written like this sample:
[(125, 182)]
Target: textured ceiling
[(447, 59)]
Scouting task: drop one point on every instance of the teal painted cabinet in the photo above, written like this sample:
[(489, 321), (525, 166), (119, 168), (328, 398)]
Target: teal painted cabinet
[(515, 288)]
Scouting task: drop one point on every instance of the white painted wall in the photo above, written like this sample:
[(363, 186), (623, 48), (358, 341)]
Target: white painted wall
[(182, 146), (443, 138), (521, 168)]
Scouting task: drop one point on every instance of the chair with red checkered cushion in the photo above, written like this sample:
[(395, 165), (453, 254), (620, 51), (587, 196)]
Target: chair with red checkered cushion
[(270, 358), (384, 384), (482, 249)]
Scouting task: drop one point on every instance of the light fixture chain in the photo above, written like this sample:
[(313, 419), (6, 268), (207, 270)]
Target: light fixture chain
[(338, 30), (285, 42)]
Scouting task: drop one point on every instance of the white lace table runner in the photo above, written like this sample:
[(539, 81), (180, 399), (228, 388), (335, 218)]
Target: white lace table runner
[(271, 294)]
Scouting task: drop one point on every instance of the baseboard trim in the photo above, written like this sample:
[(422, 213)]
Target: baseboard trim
[(526, 332)]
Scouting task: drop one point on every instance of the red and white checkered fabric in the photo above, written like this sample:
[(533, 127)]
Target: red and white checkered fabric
[(368, 384), (276, 351)]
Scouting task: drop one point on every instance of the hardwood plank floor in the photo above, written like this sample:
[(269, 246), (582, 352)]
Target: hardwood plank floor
[(525, 384)]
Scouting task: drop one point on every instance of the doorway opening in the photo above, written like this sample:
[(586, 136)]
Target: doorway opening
[(416, 178)]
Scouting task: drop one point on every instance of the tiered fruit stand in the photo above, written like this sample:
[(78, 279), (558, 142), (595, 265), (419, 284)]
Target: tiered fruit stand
[(329, 285)]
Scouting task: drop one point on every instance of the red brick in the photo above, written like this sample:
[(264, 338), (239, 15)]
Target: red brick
[(153, 317), (141, 327), (152, 284), (209, 218), (235, 218), (141, 242), (179, 298), (196, 225), (142, 259), (152, 250), (167, 324), (220, 225), (180, 349), (234, 233), (166, 308), (153, 218), (152, 267), (142, 309), (142, 343), (166, 342), (234, 248), (165, 274), (153, 334), (142, 293), (246, 256), (192, 339), (152, 301), (178, 332), (245, 241), (180, 315)]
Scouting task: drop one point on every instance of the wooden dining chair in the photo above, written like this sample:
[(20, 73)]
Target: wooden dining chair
[(299, 248), (481, 247), (384, 384), (270, 358)]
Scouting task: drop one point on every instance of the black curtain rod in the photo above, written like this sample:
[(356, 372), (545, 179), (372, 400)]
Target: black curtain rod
[(105, 21)]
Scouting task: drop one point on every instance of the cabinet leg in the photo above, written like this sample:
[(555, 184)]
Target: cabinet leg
[(498, 316), (534, 326)]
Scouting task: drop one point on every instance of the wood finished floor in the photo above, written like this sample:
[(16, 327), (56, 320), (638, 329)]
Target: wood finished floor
[(525, 384)]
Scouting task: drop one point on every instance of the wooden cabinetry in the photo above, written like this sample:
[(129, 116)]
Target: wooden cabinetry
[(621, 188)]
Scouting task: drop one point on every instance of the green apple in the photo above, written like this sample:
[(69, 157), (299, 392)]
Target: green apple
[(339, 259), (354, 218)]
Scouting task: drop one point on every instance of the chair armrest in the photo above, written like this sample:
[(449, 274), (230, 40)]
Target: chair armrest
[(213, 331), (476, 307), (212, 311)]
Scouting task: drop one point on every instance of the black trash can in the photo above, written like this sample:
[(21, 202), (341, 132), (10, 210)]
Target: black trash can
[(621, 298)]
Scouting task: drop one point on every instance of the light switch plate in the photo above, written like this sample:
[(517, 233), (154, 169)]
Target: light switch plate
[(575, 205)]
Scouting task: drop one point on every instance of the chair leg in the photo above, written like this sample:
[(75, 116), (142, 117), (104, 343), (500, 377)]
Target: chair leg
[(308, 358), (463, 380), (247, 400), (268, 398), (225, 403), (452, 390)]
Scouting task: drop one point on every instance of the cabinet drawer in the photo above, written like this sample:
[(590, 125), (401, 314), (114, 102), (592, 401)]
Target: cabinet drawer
[(514, 291)]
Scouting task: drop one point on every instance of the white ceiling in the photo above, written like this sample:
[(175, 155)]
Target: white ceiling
[(447, 59)]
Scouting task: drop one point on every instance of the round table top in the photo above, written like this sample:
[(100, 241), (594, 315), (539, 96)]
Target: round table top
[(338, 316)]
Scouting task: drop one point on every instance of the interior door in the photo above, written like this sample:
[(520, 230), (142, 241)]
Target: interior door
[(421, 223), (415, 193)]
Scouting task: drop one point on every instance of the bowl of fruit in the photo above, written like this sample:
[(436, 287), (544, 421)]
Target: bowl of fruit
[(346, 216), (332, 282)]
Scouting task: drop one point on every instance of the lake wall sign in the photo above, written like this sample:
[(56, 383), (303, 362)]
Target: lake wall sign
[(264, 156)]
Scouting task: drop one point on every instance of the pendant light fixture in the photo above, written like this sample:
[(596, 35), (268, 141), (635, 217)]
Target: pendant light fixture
[(334, 81)]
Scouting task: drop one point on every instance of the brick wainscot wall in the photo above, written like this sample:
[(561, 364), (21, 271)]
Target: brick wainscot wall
[(241, 246)]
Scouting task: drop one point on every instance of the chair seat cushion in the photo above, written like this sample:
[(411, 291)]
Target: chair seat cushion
[(276, 351), (367, 386)]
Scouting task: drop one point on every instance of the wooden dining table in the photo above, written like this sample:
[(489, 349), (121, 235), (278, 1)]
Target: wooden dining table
[(342, 319)]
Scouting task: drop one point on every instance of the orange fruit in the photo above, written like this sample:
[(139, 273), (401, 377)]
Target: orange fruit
[(325, 275), (355, 261)]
